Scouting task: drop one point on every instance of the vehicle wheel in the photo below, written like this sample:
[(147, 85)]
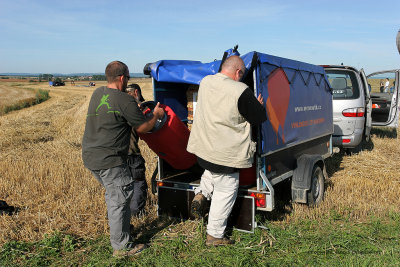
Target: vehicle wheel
[(316, 193), (355, 150), (358, 148), (367, 137)]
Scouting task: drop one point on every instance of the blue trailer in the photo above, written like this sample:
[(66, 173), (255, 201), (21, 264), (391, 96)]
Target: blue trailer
[(291, 145)]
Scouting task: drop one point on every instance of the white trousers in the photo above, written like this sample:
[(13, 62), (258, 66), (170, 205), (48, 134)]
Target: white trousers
[(222, 189)]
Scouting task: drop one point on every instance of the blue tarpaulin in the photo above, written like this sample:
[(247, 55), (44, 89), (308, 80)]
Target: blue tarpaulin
[(182, 71), (192, 72), (297, 95)]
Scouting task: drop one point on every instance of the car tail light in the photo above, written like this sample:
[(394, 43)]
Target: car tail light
[(353, 112), (375, 106), (259, 198), (346, 141), (165, 184)]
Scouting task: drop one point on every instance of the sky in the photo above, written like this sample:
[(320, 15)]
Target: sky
[(74, 36)]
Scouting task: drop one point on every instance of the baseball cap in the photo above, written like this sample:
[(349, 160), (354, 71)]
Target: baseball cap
[(134, 86)]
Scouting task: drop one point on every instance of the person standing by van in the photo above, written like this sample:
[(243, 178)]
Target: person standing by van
[(387, 83), (392, 88)]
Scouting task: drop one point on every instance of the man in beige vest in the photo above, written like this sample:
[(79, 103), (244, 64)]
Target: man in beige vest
[(221, 139)]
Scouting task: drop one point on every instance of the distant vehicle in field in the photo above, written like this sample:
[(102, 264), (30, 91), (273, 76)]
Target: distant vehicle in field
[(58, 83), (353, 105)]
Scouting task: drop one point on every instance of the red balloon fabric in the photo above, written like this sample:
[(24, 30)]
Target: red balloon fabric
[(170, 142)]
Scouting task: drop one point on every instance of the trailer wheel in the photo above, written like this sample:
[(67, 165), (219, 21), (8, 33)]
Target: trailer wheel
[(317, 190)]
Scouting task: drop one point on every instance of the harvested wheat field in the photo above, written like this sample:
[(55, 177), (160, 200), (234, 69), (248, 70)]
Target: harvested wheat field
[(12, 92), (41, 172)]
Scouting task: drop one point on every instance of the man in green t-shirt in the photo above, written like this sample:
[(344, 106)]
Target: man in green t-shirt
[(111, 115)]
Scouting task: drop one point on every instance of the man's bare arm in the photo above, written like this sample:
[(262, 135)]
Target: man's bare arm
[(148, 125)]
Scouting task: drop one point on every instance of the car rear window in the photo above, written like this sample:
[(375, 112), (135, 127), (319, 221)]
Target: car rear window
[(344, 84)]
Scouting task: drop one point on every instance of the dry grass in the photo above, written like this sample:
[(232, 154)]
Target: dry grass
[(12, 92), (361, 185), (41, 172)]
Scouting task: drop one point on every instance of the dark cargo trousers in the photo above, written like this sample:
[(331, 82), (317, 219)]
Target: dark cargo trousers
[(137, 167), (119, 186)]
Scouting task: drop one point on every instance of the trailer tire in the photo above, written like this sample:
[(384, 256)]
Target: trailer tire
[(316, 193)]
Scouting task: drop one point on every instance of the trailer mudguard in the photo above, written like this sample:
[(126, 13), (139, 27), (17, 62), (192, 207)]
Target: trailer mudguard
[(301, 180)]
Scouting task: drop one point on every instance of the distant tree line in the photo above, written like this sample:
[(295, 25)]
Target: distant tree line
[(99, 77), (57, 78), (50, 77), (45, 77)]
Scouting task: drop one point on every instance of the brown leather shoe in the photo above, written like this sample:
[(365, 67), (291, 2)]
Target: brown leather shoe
[(198, 205), (213, 241), (129, 253)]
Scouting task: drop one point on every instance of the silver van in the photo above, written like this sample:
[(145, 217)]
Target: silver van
[(358, 104)]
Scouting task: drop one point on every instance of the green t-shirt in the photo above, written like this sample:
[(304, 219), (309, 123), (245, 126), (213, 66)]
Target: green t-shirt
[(111, 114)]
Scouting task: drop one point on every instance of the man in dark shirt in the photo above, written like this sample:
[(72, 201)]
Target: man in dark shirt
[(111, 115), (136, 162)]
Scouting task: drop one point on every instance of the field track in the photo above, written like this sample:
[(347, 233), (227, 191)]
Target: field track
[(11, 93)]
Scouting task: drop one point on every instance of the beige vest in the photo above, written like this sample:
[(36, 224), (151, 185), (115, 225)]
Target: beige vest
[(219, 133)]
